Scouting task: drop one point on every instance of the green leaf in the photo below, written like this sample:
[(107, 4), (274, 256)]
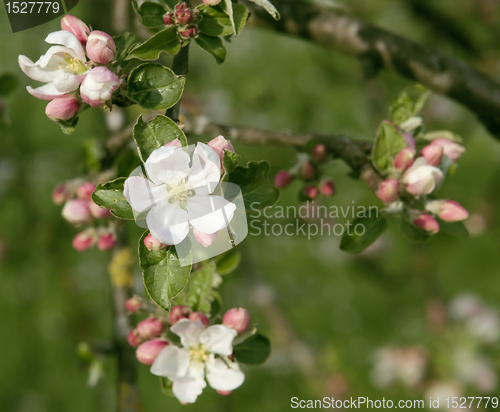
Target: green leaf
[(215, 303), (93, 153), (412, 233), (388, 143), (256, 189), (253, 351), (126, 162), (230, 160), (352, 242), (8, 84), (241, 16), (228, 261), (163, 41), (156, 133), (453, 228), (268, 6), (68, 126), (154, 86), (408, 103), (217, 23), (151, 15), (199, 288), (110, 196), (442, 134), (124, 43), (212, 45), (227, 7), (166, 386), (164, 277)]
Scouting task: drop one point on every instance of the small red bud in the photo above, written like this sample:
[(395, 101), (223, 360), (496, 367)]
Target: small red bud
[(61, 194), (85, 191), (427, 223), (319, 153), (153, 244), (311, 192), (224, 393), (198, 316), (168, 19), (106, 241), (150, 328), (133, 304), (282, 179), (327, 187), (148, 351), (307, 170), (237, 319), (133, 338)]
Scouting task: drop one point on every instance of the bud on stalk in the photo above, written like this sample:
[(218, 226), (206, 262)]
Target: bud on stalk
[(282, 179), (84, 240), (153, 244), (447, 210), (77, 27), (319, 153), (177, 313), (237, 319), (198, 316), (427, 223), (388, 190), (77, 212), (133, 338), (404, 159), (311, 192), (106, 241), (148, 351), (85, 191), (101, 48), (150, 328), (133, 304), (62, 108), (433, 154), (327, 187)]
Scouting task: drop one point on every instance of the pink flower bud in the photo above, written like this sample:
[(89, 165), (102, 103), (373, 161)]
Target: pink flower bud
[(327, 187), (98, 212), (211, 2), (180, 6), (282, 179), (168, 19), (410, 141), (311, 192), (204, 239), (219, 144), (191, 31), (319, 153), (85, 191), (224, 393), (451, 149), (388, 190), (62, 108), (177, 313), (433, 154), (176, 143), (150, 328), (133, 338), (198, 316), (106, 241), (148, 351), (404, 159), (447, 210), (98, 86), (184, 17), (427, 222), (237, 319), (61, 194), (421, 178), (152, 244), (77, 212), (133, 304), (84, 240), (100, 48), (77, 27), (307, 170)]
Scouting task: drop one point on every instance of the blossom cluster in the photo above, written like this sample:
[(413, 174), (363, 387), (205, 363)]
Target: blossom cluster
[(79, 209), (309, 169), (185, 19), (205, 350), (73, 69)]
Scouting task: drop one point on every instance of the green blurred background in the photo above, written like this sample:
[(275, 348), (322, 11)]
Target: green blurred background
[(326, 312)]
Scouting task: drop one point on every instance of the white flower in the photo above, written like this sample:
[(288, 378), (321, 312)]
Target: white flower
[(421, 178), (98, 86), (177, 195), (62, 68), (187, 367)]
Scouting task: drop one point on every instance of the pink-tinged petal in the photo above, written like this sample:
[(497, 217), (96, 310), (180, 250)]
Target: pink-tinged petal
[(433, 154), (45, 92), (189, 387), (222, 377), (142, 194), (168, 165), (172, 363), (69, 40), (209, 214), (168, 222), (62, 108), (204, 239), (218, 339), (189, 331), (205, 170), (66, 82), (176, 143), (100, 48), (76, 26), (102, 75)]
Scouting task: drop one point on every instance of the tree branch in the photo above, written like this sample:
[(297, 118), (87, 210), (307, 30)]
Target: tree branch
[(377, 48)]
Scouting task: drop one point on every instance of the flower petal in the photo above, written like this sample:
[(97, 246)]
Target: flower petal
[(33, 70), (168, 222), (222, 377), (189, 387), (168, 164), (45, 92), (69, 40), (189, 332), (209, 214), (142, 194), (172, 362), (66, 82), (218, 339), (205, 170)]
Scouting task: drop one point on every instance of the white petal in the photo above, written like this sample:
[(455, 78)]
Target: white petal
[(209, 214), (54, 58), (189, 387), (66, 82), (172, 362), (45, 92), (142, 194), (69, 40), (33, 70), (168, 222), (168, 164), (218, 339), (189, 332), (205, 171), (222, 377)]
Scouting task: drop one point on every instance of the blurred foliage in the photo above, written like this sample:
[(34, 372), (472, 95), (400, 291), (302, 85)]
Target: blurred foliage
[(326, 312)]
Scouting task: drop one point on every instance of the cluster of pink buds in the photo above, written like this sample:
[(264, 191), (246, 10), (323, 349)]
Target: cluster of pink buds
[(79, 209), (185, 19), (309, 170)]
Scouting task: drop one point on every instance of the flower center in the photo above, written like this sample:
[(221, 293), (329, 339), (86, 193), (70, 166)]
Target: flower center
[(198, 355), (75, 66), (179, 192)]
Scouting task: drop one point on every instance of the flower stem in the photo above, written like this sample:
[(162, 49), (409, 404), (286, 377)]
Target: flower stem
[(180, 67)]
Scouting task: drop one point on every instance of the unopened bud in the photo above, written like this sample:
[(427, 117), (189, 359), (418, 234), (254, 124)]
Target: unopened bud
[(76, 211), (85, 191), (307, 170), (327, 187), (282, 179), (219, 144), (133, 338), (84, 240), (168, 19), (62, 108), (204, 239), (433, 154), (61, 194), (98, 212), (133, 304), (153, 244), (150, 328), (451, 149), (191, 31), (237, 319), (177, 313), (184, 17), (224, 393), (100, 48), (404, 159), (427, 223), (198, 316), (211, 2), (311, 192), (180, 6), (148, 351), (388, 190), (106, 241), (319, 153), (77, 27), (447, 210)]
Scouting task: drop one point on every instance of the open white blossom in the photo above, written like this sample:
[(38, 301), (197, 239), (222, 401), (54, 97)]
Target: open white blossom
[(179, 192), (187, 367)]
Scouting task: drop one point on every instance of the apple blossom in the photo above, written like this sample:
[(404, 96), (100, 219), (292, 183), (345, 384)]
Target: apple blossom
[(76, 211), (133, 304), (404, 159), (319, 153), (188, 366), (421, 178), (194, 316), (61, 194), (77, 27), (204, 239), (106, 241), (307, 171), (100, 47), (150, 328), (388, 190), (84, 240), (168, 19), (427, 223), (211, 2), (85, 190), (97, 211), (433, 154), (447, 210), (153, 244), (237, 319), (98, 86), (177, 313), (451, 149), (225, 393), (311, 192), (219, 144), (62, 108), (282, 179), (327, 187), (177, 196), (62, 68), (148, 351), (133, 338), (191, 31)]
